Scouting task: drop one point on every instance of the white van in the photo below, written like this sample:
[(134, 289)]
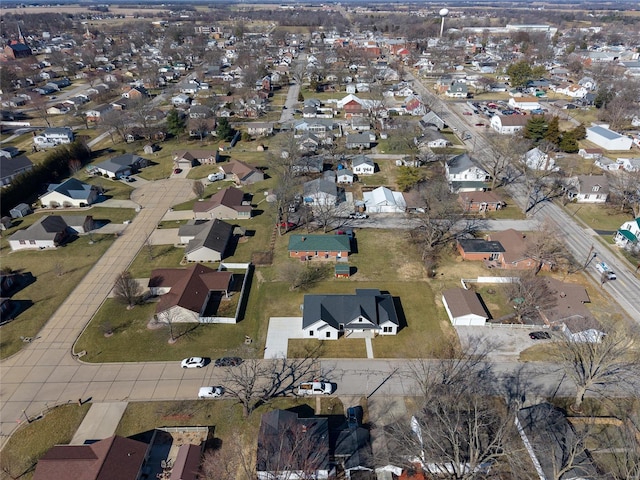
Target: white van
[(214, 177)]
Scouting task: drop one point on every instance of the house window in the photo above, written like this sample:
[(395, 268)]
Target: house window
[(596, 188), (311, 333), (32, 242), (360, 319), (387, 329), (22, 242), (328, 334)]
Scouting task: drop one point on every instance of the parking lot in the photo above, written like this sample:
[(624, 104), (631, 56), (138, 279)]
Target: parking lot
[(506, 341)]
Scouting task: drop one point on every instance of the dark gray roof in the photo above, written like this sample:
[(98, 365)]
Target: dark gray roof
[(11, 166), (215, 237), (362, 159), (478, 245), (320, 185), (354, 445), (72, 188), (45, 228), (281, 434), (460, 163), (553, 442), (358, 138), (371, 304)]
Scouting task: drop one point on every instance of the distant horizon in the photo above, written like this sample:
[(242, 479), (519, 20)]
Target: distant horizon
[(612, 4)]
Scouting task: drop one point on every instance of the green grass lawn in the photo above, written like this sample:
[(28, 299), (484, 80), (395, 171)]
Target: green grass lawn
[(598, 217), (63, 267), (30, 442), (156, 256)]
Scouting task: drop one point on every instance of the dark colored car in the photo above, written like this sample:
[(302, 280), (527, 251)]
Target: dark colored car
[(539, 336), (354, 416), (228, 362), (177, 171)]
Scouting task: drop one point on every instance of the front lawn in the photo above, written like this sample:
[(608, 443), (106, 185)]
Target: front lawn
[(155, 256), (63, 267), (31, 441), (599, 217)]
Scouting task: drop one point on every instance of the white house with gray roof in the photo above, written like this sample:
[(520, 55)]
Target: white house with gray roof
[(369, 312), (70, 193), (121, 166), (608, 139), (52, 137), (464, 175)]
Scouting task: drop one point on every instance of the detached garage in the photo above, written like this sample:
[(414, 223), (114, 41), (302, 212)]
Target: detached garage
[(464, 308), (608, 139)]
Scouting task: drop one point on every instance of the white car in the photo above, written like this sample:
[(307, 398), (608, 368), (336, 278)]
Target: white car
[(193, 362), (315, 388), (210, 392)]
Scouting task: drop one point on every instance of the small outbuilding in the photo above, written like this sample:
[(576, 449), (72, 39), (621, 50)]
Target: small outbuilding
[(464, 308)]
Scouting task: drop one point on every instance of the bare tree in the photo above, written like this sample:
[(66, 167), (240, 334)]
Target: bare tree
[(303, 276), (545, 247), (625, 191), (441, 221), (598, 366), (40, 107), (256, 382), (113, 122), (460, 428), (624, 461), (529, 295), (198, 188), (228, 462), (126, 289)]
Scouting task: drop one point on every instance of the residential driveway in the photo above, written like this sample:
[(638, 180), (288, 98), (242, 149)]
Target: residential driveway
[(281, 329), (100, 422), (164, 236), (118, 203), (177, 215), (111, 229), (506, 342)]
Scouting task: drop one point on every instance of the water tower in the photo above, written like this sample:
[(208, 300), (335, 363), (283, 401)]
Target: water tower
[(443, 13)]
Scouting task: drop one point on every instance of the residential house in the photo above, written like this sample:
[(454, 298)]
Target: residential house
[(360, 124), (362, 165), (525, 103), (590, 153), (322, 192), (191, 294), (608, 139), (200, 111), (52, 137), (344, 176), (536, 159), (49, 231), (360, 140), (354, 452), (121, 166), (508, 124), (629, 164), (353, 106), (58, 109), (480, 201), (431, 138), (70, 193), (308, 143), (194, 157), (464, 308), (553, 445), (369, 312), (320, 247), (516, 254), (432, 118), (457, 90), (209, 242), (464, 175), (241, 173), (260, 128), (10, 168), (478, 249), (20, 210), (308, 164), (588, 189), (226, 204), (383, 200), (112, 457), (9, 151), (293, 447), (181, 100), (628, 235), (97, 113)]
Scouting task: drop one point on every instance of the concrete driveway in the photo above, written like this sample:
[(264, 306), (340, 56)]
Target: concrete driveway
[(506, 342), (164, 236), (281, 329)]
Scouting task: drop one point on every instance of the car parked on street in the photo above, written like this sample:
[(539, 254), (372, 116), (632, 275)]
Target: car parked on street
[(193, 362), (228, 362), (211, 392), (539, 335)]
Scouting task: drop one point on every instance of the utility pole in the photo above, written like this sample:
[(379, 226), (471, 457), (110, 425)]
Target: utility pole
[(589, 257)]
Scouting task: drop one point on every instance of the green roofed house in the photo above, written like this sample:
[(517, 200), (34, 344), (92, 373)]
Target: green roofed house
[(628, 235), (319, 247)]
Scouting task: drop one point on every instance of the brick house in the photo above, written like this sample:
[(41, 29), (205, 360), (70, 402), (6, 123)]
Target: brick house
[(319, 247)]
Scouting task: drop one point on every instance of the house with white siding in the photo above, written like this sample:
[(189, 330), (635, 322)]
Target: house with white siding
[(608, 139)]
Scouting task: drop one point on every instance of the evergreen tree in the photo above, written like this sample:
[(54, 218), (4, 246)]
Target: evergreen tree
[(224, 130), (603, 96), (519, 73), (300, 97), (552, 135), (536, 128), (176, 123), (568, 143), (580, 132)]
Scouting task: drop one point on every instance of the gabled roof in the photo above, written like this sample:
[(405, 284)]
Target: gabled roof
[(362, 160), (461, 163), (335, 310), (321, 243), (72, 188), (190, 286), (320, 185), (113, 457), (9, 166), (214, 235), (464, 302), (239, 169), (513, 120), (515, 244), (604, 132), (229, 197), (480, 197), (45, 228), (478, 245), (382, 196), (587, 183), (354, 445)]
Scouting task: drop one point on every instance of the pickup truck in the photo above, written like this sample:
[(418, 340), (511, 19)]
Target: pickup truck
[(606, 270), (315, 388)]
